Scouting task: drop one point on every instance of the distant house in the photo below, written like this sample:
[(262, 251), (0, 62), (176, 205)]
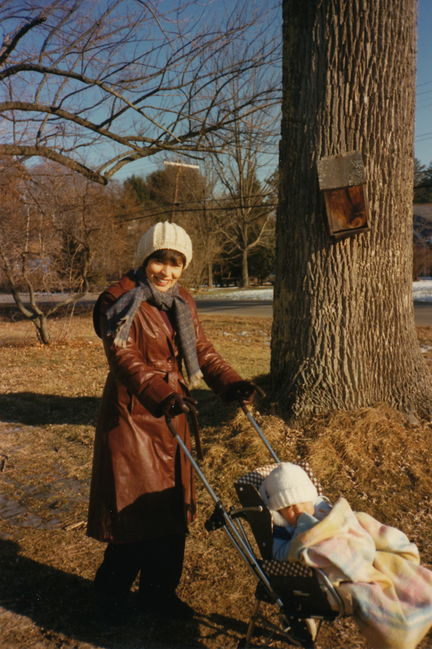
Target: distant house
[(422, 239), (422, 223)]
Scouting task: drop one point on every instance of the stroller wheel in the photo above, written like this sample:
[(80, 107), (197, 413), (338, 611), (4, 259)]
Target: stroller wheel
[(312, 627), (302, 639), (303, 632)]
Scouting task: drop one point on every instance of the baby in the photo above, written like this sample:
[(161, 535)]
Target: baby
[(374, 567), (294, 504)]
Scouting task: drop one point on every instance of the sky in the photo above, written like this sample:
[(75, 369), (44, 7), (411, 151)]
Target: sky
[(423, 137), (423, 140)]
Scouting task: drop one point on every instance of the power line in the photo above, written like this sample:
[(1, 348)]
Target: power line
[(424, 83), (426, 135), (168, 210), (204, 201)]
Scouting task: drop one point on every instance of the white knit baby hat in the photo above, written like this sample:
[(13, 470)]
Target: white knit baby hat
[(164, 235), (288, 484)]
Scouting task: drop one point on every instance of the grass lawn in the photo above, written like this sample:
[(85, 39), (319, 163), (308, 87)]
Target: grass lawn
[(50, 395)]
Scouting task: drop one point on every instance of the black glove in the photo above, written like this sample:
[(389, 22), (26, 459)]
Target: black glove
[(176, 404), (240, 391)]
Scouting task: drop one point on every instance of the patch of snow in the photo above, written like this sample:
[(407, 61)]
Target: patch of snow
[(422, 292), (237, 294)]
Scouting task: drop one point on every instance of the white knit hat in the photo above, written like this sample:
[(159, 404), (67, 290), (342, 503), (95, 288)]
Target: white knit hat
[(161, 236), (288, 484)]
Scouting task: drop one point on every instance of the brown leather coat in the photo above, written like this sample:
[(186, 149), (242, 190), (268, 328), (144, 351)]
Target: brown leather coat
[(141, 482)]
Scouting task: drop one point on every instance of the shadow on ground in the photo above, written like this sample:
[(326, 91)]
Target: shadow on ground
[(64, 603), (34, 409), (58, 602)]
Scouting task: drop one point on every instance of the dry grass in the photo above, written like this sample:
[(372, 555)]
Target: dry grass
[(374, 457)]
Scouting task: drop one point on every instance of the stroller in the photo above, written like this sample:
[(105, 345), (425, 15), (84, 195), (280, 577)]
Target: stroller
[(302, 597)]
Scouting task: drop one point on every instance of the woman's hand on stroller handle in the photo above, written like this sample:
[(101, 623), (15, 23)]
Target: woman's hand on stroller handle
[(177, 404), (243, 391)]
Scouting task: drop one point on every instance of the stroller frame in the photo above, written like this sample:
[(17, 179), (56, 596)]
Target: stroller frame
[(296, 630)]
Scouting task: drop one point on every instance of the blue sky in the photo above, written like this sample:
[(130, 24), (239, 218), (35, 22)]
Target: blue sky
[(423, 141)]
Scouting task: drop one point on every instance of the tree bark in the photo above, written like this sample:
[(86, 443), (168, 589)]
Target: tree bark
[(245, 267), (343, 333), (41, 325), (210, 275)]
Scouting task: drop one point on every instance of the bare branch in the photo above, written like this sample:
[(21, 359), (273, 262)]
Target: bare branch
[(44, 152), (71, 117), (10, 42), (95, 76)]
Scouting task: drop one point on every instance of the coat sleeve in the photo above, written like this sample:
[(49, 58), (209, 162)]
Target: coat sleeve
[(128, 366), (218, 374)]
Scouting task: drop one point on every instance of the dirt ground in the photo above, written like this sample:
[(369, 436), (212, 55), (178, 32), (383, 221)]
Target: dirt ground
[(377, 458)]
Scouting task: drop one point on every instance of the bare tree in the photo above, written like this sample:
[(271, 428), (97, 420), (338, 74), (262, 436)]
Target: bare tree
[(181, 193), (23, 258), (249, 200), (343, 332), (422, 261), (200, 215), (97, 85), (57, 233)]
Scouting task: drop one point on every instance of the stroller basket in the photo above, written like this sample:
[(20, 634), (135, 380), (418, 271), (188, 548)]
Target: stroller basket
[(298, 592)]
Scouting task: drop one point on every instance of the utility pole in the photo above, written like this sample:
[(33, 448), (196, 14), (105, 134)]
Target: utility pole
[(179, 166)]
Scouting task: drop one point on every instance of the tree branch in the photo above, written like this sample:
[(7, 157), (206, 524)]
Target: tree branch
[(44, 152), (11, 41), (71, 117)]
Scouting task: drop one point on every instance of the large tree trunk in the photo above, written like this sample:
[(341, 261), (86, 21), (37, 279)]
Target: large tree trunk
[(343, 333)]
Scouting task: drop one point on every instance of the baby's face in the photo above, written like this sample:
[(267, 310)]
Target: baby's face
[(292, 512)]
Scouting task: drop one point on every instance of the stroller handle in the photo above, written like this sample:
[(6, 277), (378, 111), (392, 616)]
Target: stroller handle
[(254, 423), (190, 457), (224, 519)]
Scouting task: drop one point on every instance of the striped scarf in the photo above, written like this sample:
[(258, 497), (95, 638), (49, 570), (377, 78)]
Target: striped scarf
[(121, 314)]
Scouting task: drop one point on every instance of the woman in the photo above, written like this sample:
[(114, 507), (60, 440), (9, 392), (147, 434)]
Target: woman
[(142, 495)]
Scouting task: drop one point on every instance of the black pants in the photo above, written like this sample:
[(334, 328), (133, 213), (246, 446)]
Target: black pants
[(159, 561)]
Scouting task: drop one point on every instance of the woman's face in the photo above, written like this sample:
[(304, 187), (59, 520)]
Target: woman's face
[(163, 274)]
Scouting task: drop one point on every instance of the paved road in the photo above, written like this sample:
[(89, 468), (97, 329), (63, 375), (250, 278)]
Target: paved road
[(423, 314), (264, 309), (249, 308), (239, 308)]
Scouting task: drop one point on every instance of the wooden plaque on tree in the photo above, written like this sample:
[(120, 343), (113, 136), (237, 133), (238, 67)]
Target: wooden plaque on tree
[(343, 182)]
